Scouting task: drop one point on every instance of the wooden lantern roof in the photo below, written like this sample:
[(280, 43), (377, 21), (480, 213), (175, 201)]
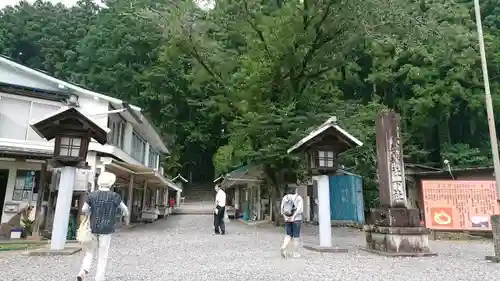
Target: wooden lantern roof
[(65, 119), (328, 134)]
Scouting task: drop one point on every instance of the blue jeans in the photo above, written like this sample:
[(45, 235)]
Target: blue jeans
[(292, 229)]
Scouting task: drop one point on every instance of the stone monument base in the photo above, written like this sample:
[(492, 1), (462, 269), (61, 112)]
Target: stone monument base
[(397, 232), (317, 248), (398, 241)]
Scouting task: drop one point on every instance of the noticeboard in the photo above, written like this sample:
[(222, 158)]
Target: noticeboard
[(459, 205)]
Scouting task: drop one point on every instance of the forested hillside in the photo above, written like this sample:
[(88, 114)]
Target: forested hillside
[(240, 83)]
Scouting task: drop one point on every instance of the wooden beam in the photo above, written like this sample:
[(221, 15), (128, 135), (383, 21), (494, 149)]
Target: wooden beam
[(41, 193)]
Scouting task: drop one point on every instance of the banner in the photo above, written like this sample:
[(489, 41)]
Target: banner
[(459, 205)]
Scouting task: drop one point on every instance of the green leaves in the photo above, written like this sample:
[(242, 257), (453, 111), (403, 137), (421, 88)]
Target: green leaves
[(244, 81)]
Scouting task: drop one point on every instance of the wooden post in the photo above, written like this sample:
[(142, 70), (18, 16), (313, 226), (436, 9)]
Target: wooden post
[(130, 195), (39, 208), (258, 203)]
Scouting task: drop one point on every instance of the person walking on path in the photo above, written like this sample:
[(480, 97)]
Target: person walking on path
[(292, 207), (220, 208), (102, 207)]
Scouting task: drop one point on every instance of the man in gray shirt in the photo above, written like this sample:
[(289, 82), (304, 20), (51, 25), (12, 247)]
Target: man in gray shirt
[(102, 207)]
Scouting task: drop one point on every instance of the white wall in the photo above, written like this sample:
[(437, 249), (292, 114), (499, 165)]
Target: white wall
[(92, 106)]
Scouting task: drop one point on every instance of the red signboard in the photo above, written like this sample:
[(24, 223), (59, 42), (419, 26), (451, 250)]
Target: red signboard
[(459, 205)]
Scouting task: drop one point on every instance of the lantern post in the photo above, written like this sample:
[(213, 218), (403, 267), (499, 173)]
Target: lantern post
[(72, 131), (321, 149)]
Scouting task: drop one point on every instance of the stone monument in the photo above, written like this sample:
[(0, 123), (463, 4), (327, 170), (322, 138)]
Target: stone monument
[(393, 229), (495, 225)]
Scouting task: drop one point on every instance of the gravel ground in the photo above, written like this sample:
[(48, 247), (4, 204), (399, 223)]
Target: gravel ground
[(182, 248)]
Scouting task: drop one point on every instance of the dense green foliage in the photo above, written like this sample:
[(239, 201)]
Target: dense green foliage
[(242, 82)]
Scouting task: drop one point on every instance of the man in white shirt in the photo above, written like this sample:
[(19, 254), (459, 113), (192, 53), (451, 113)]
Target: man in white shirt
[(220, 208), (292, 208)]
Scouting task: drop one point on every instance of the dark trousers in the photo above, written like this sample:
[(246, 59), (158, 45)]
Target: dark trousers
[(220, 227)]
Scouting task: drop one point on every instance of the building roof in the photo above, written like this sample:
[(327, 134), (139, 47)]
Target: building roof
[(179, 177), (220, 178), (25, 152), (150, 131), (486, 169), (154, 178), (423, 167), (242, 175), (331, 123), (46, 128)]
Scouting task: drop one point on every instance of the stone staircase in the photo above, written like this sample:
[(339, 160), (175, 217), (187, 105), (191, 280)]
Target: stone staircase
[(198, 200), (199, 193)]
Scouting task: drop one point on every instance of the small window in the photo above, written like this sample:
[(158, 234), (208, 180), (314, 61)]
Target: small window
[(325, 159), (153, 158), (117, 133), (27, 182), (70, 146), (138, 148)]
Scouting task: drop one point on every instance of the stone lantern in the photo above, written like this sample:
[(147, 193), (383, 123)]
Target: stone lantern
[(72, 131), (321, 148)]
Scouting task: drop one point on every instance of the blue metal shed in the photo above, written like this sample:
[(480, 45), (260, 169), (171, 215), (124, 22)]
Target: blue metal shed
[(346, 199)]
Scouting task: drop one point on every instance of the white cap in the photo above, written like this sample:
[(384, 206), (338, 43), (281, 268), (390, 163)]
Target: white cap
[(106, 179)]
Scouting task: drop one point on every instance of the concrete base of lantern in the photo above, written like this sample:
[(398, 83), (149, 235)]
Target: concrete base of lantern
[(321, 249)]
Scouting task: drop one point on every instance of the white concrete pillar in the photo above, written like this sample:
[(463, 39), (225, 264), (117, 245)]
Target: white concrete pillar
[(325, 223), (92, 162), (258, 203), (145, 189), (130, 196), (165, 196), (63, 207), (236, 197), (127, 138), (146, 157), (177, 198)]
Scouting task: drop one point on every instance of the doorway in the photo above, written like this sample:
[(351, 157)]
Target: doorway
[(4, 177)]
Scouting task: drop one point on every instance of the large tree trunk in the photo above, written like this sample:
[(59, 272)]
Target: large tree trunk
[(277, 194)]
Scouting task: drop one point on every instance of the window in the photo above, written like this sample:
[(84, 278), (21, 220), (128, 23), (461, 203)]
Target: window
[(15, 115), (14, 118), (38, 111), (153, 158), (325, 159), (138, 148), (117, 133), (70, 146), (26, 182)]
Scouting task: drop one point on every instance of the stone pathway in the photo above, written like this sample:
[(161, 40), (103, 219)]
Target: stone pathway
[(182, 248)]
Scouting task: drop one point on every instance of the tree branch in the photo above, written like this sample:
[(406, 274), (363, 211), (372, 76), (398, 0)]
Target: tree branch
[(318, 42), (317, 73), (194, 52), (248, 15)]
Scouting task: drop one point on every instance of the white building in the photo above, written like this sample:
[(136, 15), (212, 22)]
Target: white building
[(133, 151)]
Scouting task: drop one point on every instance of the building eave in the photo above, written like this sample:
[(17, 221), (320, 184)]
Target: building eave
[(135, 110), (179, 177)]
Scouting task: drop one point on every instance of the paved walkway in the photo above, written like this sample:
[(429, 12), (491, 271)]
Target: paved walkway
[(182, 248)]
